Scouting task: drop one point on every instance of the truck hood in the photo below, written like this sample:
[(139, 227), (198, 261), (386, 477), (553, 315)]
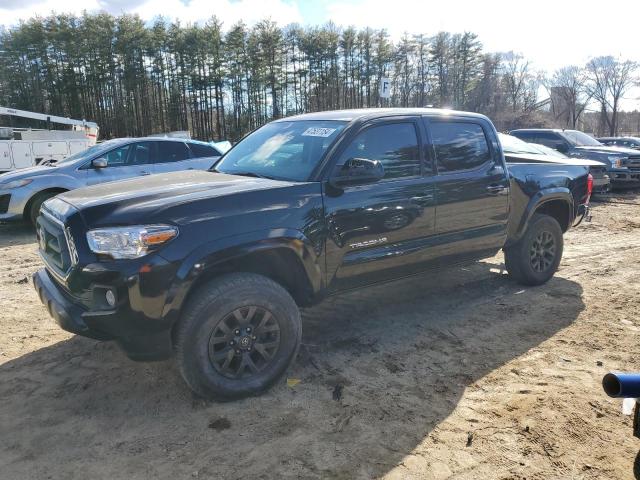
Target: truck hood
[(534, 158), (138, 197), (610, 150)]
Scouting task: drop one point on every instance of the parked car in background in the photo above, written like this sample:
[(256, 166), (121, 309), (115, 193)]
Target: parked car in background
[(624, 142), (23, 191), (623, 164), (516, 150), (212, 266), (601, 179)]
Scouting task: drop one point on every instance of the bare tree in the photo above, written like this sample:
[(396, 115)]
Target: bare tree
[(608, 81), (569, 94), (516, 78)]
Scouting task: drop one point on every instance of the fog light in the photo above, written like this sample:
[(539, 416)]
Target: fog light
[(110, 297)]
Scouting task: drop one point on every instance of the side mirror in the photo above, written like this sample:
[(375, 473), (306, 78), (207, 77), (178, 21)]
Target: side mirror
[(357, 171), (99, 162), (562, 148)]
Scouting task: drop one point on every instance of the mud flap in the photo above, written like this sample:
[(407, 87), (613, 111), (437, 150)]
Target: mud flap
[(636, 421)]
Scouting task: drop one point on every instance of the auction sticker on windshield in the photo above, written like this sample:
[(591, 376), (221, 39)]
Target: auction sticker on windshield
[(318, 132)]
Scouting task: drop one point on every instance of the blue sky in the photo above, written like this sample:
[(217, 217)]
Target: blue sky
[(550, 33)]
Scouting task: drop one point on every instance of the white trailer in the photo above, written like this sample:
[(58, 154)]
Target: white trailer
[(26, 147), (15, 154)]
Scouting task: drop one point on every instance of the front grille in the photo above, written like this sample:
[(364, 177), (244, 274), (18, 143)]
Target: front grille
[(53, 245), (633, 162), (4, 203)]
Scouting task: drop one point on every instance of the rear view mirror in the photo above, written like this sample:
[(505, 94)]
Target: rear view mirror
[(357, 171), (99, 162)]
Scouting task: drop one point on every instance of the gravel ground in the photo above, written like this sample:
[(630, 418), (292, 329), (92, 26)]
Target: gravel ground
[(458, 374)]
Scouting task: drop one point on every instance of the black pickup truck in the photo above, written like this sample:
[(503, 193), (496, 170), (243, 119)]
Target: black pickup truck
[(212, 266)]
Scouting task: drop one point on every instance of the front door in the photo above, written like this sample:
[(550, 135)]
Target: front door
[(472, 189), (127, 161), (377, 231)]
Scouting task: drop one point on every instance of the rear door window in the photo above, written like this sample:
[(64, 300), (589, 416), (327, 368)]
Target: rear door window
[(526, 136), (459, 145), (171, 152), (198, 150), (550, 139)]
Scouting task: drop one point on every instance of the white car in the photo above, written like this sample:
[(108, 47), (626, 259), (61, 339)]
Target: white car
[(23, 191)]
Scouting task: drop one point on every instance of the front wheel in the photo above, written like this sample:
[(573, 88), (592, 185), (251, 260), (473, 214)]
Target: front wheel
[(237, 336), (535, 258), (36, 203)]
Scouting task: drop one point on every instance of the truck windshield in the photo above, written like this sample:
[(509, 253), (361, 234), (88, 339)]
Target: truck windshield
[(580, 139), (282, 150)]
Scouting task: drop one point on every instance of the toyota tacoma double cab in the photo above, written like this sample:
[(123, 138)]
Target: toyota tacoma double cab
[(212, 266)]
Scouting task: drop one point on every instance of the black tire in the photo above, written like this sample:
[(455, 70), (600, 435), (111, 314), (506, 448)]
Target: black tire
[(535, 258), (208, 357), (36, 203)]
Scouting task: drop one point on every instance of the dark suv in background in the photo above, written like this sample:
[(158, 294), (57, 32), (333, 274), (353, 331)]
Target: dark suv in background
[(624, 142), (623, 163)]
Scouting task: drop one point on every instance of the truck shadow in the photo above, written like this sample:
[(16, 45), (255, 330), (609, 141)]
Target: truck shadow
[(379, 369), (12, 234)]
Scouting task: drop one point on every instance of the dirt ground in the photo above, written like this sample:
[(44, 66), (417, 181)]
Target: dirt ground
[(462, 374)]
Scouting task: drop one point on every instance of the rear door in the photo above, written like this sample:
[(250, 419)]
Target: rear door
[(471, 187), (127, 161), (381, 230)]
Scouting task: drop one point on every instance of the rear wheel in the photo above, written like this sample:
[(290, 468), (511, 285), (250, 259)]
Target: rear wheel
[(237, 336), (535, 258)]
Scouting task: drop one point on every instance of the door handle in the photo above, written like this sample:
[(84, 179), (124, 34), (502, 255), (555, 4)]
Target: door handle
[(495, 189), (144, 172)]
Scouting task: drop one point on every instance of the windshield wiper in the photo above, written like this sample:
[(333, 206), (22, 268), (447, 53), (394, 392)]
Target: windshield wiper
[(249, 174)]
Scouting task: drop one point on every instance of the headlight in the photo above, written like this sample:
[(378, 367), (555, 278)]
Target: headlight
[(129, 242), (616, 162), (15, 184)]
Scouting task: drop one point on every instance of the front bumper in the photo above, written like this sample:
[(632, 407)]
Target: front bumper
[(137, 336), (67, 314), (13, 204), (624, 177)]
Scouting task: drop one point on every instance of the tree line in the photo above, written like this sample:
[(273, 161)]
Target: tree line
[(134, 78)]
